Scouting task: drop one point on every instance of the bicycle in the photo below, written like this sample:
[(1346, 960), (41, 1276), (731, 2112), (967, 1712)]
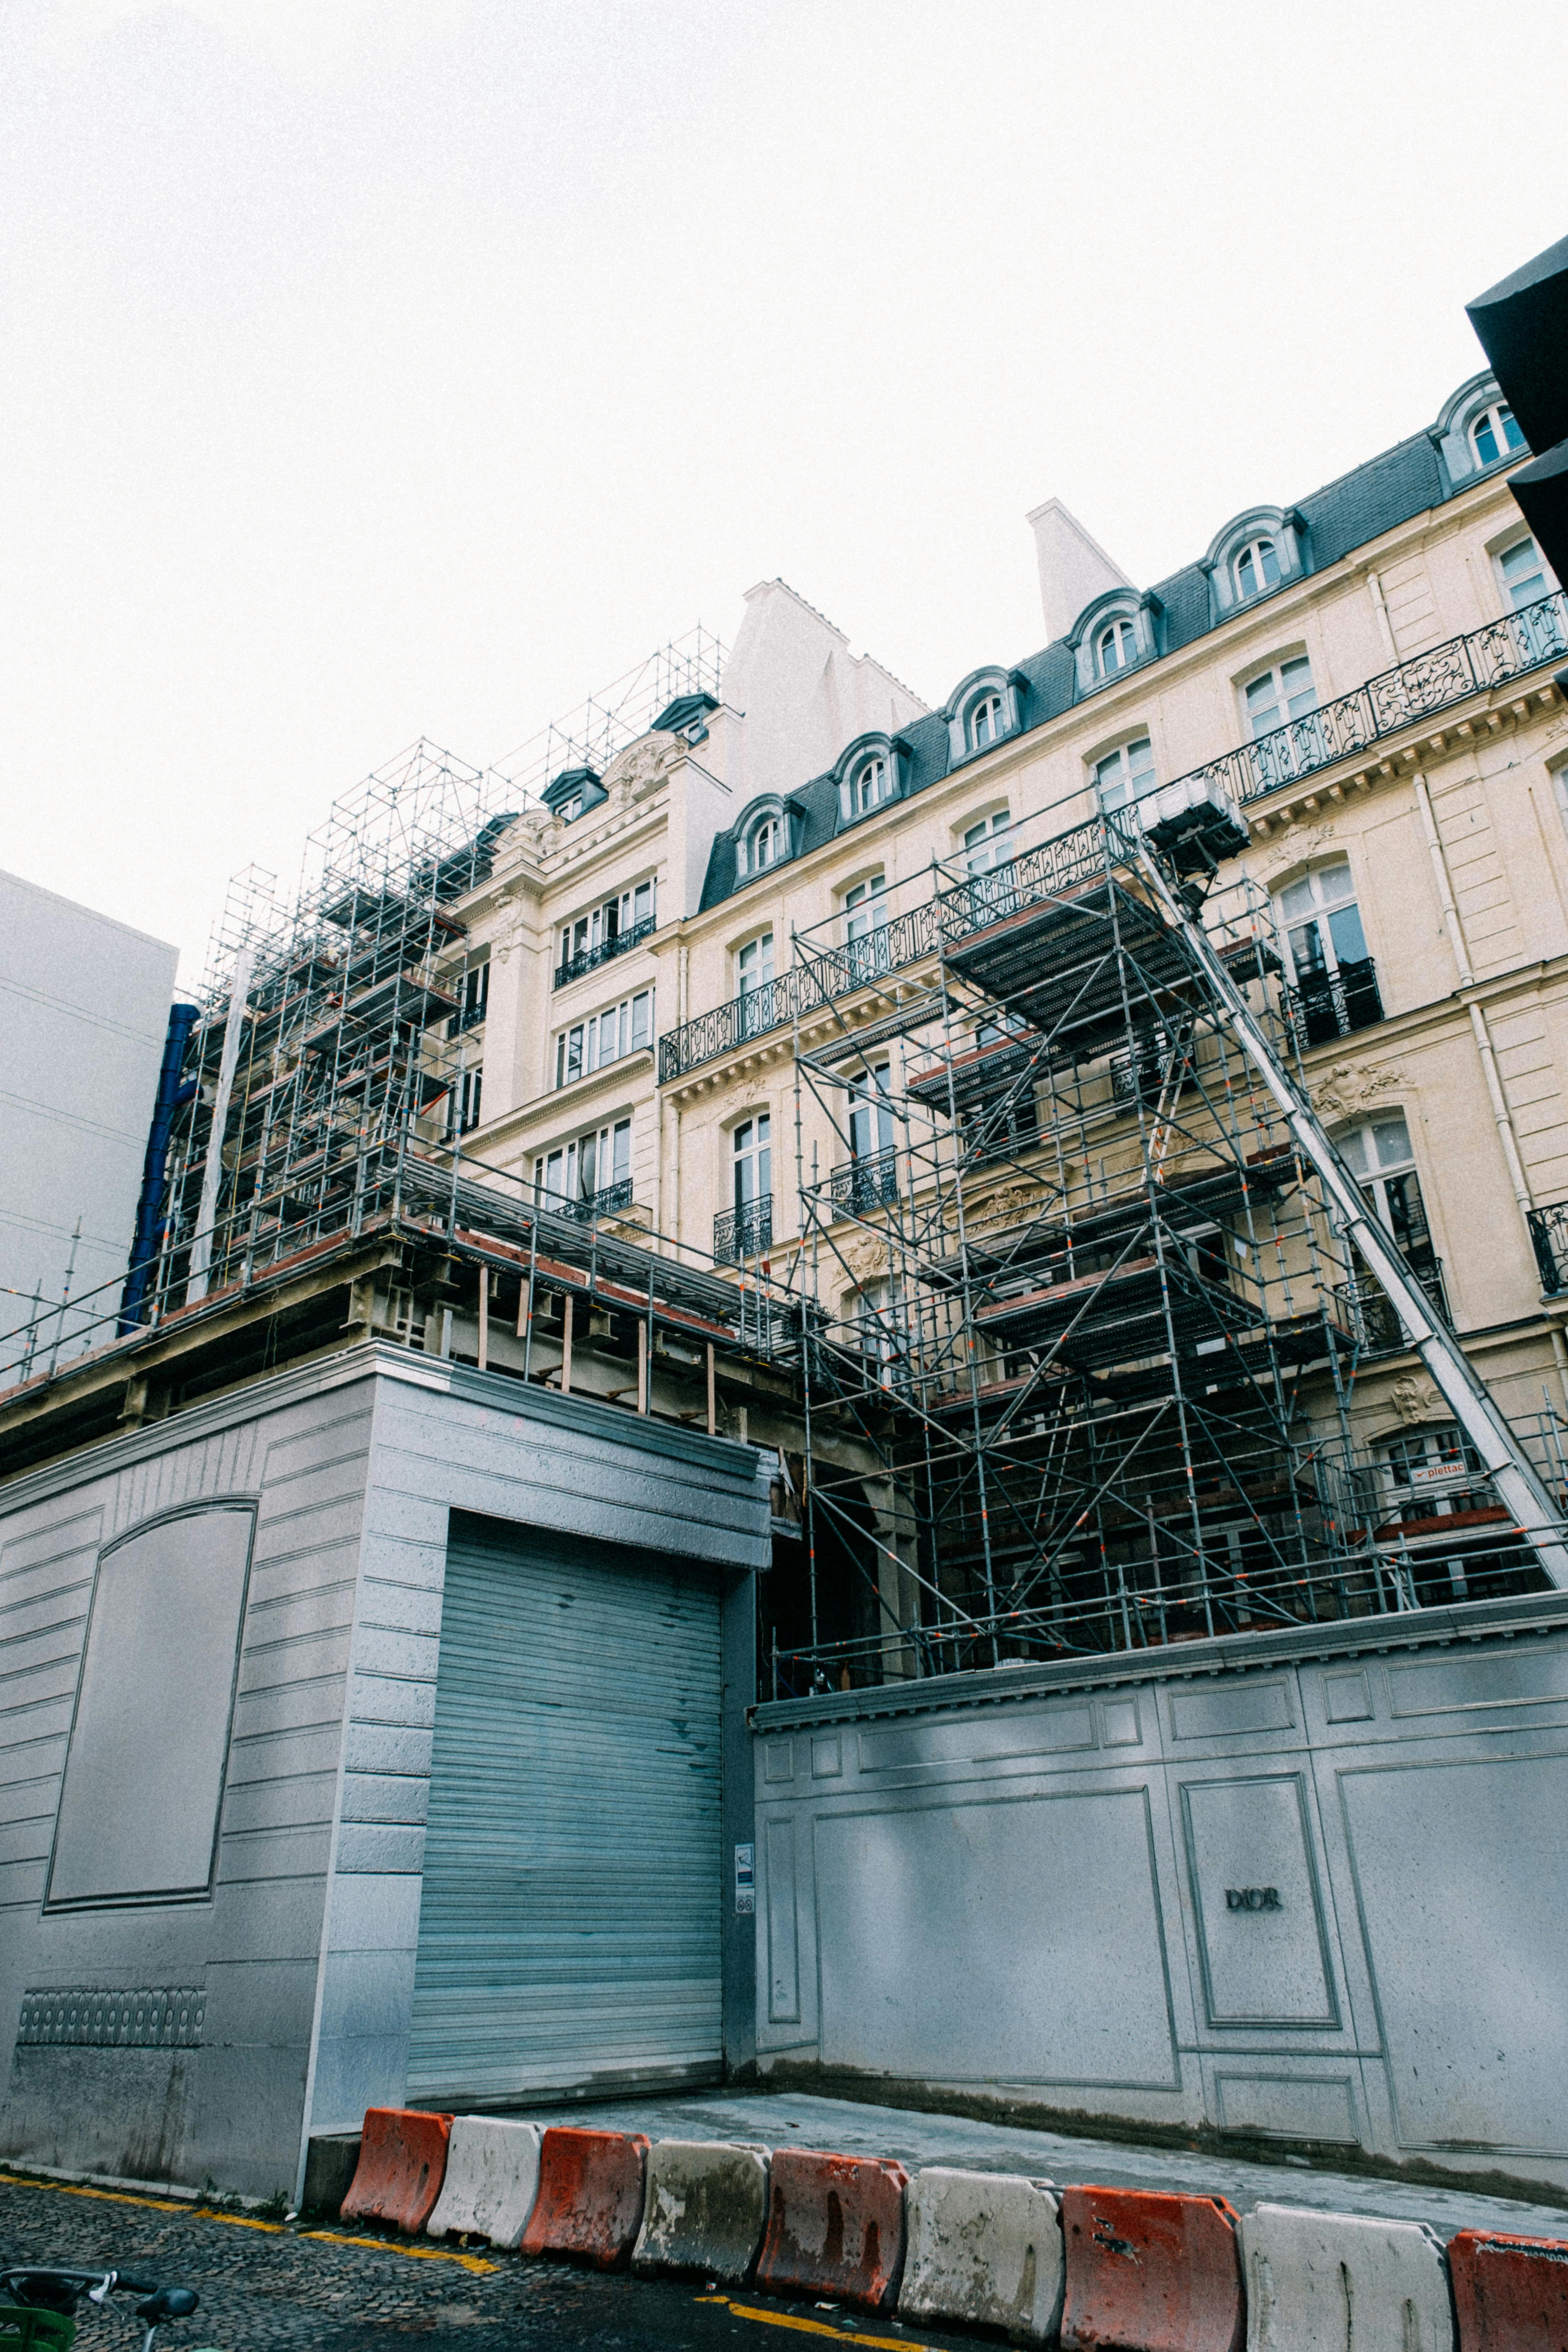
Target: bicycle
[(37, 2306)]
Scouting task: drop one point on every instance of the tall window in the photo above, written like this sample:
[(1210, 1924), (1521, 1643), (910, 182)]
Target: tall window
[(590, 1166), (866, 927), (875, 1307), (987, 721), (588, 1046), (870, 1114), (1335, 980), (1256, 567), (466, 1102), (1281, 694), (753, 1158), (1281, 711), (473, 998), (1125, 775), (754, 973), (989, 843), (1434, 1472), (1524, 574), (1379, 1151), (1495, 435), (1115, 648), (619, 923)]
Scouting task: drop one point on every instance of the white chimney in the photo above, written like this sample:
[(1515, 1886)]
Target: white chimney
[(1074, 568)]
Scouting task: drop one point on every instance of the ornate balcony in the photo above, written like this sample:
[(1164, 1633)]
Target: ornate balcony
[(822, 975), (593, 1205), (1371, 1315), (743, 1232), (1343, 730), (590, 959), (1336, 1004), (1549, 1233), (869, 1182)]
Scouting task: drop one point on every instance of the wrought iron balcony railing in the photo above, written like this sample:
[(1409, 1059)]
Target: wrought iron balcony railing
[(1342, 730), (870, 1181), (601, 1204), (743, 1232), (1549, 1233), (1370, 1315), (590, 959), (821, 975), (1336, 1004)]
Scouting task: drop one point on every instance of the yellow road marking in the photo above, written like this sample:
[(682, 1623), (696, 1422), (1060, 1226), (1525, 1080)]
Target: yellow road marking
[(817, 2326), (474, 2263)]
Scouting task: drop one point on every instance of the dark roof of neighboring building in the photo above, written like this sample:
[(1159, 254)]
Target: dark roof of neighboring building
[(1378, 496)]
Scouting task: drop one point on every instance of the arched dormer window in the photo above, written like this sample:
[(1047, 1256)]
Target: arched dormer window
[(1494, 434), (764, 840), (870, 774), (1476, 430), (1115, 647), (1253, 568), (986, 722), (1256, 552), (983, 710)]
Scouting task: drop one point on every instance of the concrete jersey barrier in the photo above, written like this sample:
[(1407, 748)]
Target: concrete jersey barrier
[(705, 2209), (402, 2165), (590, 2201), (1510, 2294), (983, 2250), (1317, 2281), (492, 2176), (1149, 2271), (836, 2227)]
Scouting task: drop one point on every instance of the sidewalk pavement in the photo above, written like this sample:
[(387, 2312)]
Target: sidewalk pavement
[(795, 2120)]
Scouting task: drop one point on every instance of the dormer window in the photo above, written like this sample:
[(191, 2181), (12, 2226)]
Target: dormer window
[(1494, 434), (767, 844), (764, 841), (987, 721), (1256, 568), (570, 808), (1116, 647), (870, 785)]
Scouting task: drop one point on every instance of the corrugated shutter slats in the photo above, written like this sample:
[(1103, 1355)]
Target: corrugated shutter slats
[(568, 1926)]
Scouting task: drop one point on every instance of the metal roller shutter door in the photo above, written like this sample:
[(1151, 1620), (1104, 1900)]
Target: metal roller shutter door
[(569, 1927)]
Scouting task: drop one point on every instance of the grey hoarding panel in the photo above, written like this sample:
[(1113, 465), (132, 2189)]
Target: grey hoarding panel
[(145, 1771), (569, 1930)]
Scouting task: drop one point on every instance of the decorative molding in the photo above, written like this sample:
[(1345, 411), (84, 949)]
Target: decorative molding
[(635, 772), (1415, 1399), (1350, 1089), (154, 2017), (1300, 843)]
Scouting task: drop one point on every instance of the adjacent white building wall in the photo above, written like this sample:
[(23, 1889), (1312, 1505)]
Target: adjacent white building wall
[(802, 693), (84, 1009), (1074, 568)]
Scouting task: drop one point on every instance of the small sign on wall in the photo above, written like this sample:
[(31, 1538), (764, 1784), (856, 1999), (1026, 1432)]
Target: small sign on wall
[(745, 1879)]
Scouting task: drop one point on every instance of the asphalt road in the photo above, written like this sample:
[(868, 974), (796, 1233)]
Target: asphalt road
[(264, 2285)]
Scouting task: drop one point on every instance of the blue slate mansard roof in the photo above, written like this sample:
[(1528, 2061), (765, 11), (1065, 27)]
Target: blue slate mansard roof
[(1378, 496)]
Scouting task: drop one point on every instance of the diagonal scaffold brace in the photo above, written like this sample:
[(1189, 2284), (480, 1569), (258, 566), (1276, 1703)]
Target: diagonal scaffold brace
[(1518, 1484)]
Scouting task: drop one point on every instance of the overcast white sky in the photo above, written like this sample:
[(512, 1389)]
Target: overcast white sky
[(375, 368)]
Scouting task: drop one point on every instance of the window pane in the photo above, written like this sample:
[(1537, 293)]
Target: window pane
[(1522, 572), (623, 1152), (1511, 433), (1334, 883), (1140, 764), (1353, 1147), (1486, 440), (1298, 898), (1306, 950), (1270, 564), (1349, 939), (1391, 1138), (1245, 579), (1263, 703)]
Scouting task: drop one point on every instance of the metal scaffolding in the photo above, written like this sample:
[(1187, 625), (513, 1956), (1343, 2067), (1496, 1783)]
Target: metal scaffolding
[(1091, 1296)]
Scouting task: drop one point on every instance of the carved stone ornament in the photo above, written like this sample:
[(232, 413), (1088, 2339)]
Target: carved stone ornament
[(634, 772), (532, 830), (1350, 1089), (865, 1262), (1415, 1399), (1009, 1206), (1298, 842)]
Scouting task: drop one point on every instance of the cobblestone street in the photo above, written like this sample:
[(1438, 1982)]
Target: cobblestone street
[(263, 2285)]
